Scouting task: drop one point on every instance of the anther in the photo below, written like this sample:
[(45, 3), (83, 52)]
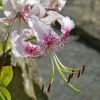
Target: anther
[(78, 74), (69, 77), (49, 87), (73, 70), (83, 69), (42, 89)]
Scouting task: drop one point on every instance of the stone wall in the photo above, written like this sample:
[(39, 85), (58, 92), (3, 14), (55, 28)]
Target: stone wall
[(86, 14)]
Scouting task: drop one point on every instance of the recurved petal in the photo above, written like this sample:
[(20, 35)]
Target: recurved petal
[(51, 17), (12, 7), (65, 22), (22, 48), (41, 30)]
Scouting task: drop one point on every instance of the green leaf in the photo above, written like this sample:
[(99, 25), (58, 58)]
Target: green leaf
[(6, 75), (2, 43), (1, 8), (2, 97), (5, 93)]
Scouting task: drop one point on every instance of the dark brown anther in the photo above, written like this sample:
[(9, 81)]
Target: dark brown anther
[(78, 74), (69, 77), (42, 89), (83, 69), (31, 6), (49, 87), (73, 70)]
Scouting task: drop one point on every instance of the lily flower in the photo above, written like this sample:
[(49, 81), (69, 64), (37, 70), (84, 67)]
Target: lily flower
[(41, 40), (17, 12), (36, 37)]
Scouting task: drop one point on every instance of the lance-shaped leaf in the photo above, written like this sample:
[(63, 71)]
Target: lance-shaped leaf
[(2, 43), (5, 93), (6, 76)]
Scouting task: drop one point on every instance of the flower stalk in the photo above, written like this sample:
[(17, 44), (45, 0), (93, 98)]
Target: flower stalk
[(10, 28)]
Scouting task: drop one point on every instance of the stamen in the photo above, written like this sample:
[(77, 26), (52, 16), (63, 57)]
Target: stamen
[(83, 69), (69, 77), (49, 88), (42, 88), (50, 79), (62, 74), (64, 67), (78, 74)]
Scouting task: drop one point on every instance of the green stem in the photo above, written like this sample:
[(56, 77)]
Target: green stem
[(51, 77), (64, 67), (6, 41)]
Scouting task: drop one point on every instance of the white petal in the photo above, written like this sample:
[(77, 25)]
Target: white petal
[(51, 17), (9, 7), (61, 4), (20, 4), (14, 38), (41, 30), (53, 4), (38, 10), (31, 2), (22, 48), (67, 24)]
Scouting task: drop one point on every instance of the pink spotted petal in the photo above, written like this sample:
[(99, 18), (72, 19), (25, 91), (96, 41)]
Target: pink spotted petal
[(21, 48), (39, 28), (66, 25)]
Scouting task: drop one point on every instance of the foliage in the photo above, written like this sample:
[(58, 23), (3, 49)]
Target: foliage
[(1, 7), (5, 78), (2, 43)]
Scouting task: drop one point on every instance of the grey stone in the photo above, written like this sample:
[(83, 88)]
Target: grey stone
[(75, 54), (86, 14), (16, 88)]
